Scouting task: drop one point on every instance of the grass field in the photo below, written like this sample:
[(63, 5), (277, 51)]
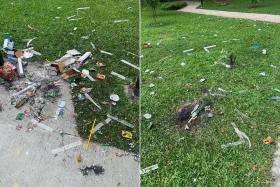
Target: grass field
[(55, 34), (264, 7), (195, 158)]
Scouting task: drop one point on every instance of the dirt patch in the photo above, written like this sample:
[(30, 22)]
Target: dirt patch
[(193, 113)]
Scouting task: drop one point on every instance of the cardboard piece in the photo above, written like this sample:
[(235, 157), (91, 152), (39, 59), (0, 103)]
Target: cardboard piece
[(70, 73), (100, 76)]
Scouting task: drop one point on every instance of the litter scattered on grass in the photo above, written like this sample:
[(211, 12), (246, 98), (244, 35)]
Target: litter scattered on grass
[(127, 134), (273, 66), (147, 116), (131, 65), (277, 98), (105, 52), (202, 80), (119, 76), (188, 50), (209, 47), (149, 169), (85, 73), (277, 90), (255, 46), (244, 116), (100, 76), (147, 45), (120, 121), (114, 97), (243, 138), (268, 140), (83, 8), (93, 46), (29, 42), (121, 20), (91, 100), (76, 19), (100, 125)]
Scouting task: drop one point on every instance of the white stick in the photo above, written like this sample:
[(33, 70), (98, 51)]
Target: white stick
[(43, 126), (91, 78), (71, 16), (105, 52), (75, 19), (29, 41), (100, 125), (208, 47), (131, 53), (277, 90), (118, 75), (120, 121), (93, 46), (131, 65), (83, 8), (188, 50), (121, 20), (89, 98), (66, 147)]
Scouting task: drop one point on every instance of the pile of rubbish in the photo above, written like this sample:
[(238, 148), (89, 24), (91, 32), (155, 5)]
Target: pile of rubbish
[(12, 67), (33, 89), (43, 82), (35, 86), (191, 113)]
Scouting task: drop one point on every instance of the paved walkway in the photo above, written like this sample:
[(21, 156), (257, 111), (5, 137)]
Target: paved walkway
[(192, 8), (276, 167)]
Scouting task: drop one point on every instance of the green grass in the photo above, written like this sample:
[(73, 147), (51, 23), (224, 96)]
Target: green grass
[(265, 7), (196, 158), (56, 35)]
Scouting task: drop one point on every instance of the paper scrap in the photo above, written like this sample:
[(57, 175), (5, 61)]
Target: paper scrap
[(149, 169), (120, 121), (66, 147), (43, 126)]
